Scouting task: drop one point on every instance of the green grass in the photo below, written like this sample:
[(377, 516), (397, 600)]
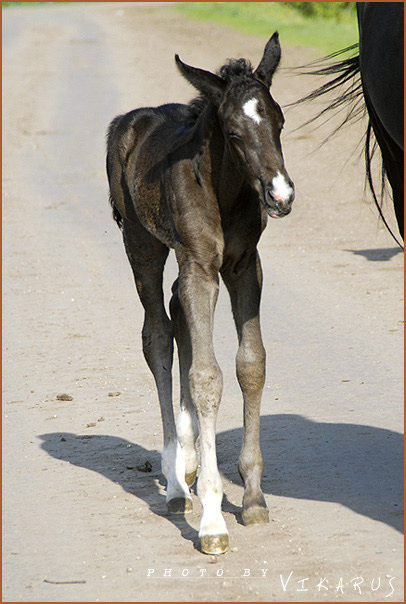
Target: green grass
[(8, 4), (325, 28)]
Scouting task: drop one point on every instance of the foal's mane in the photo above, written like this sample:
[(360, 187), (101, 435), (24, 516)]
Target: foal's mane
[(233, 71)]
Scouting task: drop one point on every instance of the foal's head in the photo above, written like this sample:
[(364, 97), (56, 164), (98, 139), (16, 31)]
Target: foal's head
[(251, 122)]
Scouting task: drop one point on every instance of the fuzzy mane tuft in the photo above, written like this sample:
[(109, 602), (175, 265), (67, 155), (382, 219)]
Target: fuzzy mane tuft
[(232, 71), (235, 69)]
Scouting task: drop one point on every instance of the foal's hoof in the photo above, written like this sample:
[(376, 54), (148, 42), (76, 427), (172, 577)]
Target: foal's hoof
[(214, 544), (190, 478), (180, 505), (255, 515)]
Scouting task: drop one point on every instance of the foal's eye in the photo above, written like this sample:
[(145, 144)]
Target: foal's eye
[(234, 136)]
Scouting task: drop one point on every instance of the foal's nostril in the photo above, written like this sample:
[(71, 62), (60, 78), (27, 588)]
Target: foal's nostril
[(279, 205), (269, 195), (280, 202)]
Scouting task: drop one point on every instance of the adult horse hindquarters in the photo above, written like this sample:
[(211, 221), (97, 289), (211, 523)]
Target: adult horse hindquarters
[(201, 179), (373, 79), (381, 55)]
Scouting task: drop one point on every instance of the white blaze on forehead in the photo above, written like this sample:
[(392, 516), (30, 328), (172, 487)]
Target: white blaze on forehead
[(250, 109), (281, 189)]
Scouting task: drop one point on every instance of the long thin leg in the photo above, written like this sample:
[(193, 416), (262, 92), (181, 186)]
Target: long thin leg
[(198, 290), (245, 293), (187, 425), (147, 257)]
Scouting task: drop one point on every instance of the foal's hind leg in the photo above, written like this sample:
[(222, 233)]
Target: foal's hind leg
[(187, 425), (147, 257), (245, 292)]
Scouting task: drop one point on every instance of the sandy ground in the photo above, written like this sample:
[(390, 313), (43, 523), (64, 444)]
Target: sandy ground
[(81, 520)]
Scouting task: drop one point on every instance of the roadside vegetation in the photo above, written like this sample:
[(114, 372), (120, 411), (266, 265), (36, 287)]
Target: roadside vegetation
[(325, 26), (8, 4)]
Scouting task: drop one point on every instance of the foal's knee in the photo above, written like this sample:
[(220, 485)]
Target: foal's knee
[(206, 384), (250, 365)]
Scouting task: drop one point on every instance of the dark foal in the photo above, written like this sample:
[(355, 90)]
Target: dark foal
[(201, 179)]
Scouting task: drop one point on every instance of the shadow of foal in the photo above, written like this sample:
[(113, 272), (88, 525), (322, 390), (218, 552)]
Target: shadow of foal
[(202, 179), (358, 466), (128, 464)]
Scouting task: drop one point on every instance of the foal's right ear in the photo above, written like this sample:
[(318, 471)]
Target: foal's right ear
[(206, 82)]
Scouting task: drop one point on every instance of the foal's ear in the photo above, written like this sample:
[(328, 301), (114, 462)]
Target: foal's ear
[(270, 61), (206, 82)]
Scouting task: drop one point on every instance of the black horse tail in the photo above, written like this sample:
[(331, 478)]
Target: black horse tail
[(346, 84), (113, 166), (346, 74)]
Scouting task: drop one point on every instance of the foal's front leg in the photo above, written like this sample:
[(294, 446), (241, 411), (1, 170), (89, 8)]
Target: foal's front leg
[(198, 291), (245, 293)]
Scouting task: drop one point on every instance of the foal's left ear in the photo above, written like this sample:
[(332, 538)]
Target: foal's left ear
[(270, 61), (206, 82)]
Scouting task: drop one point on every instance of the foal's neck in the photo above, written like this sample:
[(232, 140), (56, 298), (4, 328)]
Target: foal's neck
[(219, 169)]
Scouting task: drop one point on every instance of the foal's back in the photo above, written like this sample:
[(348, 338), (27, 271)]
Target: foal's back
[(140, 149)]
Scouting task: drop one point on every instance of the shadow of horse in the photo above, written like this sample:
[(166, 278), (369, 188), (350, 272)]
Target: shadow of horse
[(377, 255), (358, 466)]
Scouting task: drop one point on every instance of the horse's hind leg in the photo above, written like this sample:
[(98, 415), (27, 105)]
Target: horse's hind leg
[(187, 424), (245, 292), (147, 257)]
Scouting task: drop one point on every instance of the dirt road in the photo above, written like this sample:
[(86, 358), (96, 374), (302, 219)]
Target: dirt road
[(82, 521)]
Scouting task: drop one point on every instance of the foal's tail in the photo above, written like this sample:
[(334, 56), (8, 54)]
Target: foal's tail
[(113, 167), (346, 85)]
